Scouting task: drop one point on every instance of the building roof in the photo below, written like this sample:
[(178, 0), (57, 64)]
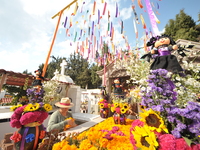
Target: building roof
[(16, 78)]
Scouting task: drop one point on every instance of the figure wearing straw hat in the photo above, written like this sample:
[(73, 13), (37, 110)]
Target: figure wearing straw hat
[(61, 118)]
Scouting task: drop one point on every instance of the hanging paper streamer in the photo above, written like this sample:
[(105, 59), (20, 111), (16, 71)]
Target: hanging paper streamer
[(80, 34), (143, 22), (111, 26), (158, 6), (86, 43), (75, 9), (140, 3), (75, 36), (65, 22), (92, 27), (77, 47), (108, 15), (112, 33), (81, 10), (152, 18), (67, 30), (98, 16), (70, 22), (88, 31), (94, 6), (135, 28), (136, 16), (122, 27), (157, 21), (104, 8), (116, 10)]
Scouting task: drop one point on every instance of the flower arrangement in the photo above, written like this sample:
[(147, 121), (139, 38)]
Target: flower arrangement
[(28, 118), (120, 109), (165, 117), (104, 108), (103, 136), (35, 94)]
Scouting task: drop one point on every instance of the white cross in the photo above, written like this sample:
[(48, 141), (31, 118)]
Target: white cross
[(63, 64), (56, 73)]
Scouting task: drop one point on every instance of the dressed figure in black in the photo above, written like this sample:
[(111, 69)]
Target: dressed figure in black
[(161, 49)]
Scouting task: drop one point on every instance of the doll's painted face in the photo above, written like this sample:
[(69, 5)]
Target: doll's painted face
[(162, 41)]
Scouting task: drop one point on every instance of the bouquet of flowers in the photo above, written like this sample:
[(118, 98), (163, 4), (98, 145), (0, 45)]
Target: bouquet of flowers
[(104, 108), (165, 124), (119, 109)]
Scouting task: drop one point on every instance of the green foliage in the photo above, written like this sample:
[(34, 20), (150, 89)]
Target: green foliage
[(182, 27), (16, 91), (52, 66), (96, 81)]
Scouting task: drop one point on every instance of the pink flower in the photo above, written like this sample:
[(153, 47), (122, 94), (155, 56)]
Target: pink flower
[(135, 123), (15, 118), (117, 110), (16, 137), (181, 144), (33, 116), (166, 142)]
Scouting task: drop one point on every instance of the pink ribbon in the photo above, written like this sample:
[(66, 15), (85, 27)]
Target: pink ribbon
[(65, 104), (152, 18)]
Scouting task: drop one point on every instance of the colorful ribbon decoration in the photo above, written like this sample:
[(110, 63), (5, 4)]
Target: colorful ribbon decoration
[(24, 138), (152, 18), (36, 137)]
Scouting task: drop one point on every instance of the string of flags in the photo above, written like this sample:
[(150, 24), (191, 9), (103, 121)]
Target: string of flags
[(92, 28)]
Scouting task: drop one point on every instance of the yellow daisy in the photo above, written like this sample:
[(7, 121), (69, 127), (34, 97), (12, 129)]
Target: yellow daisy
[(153, 120)]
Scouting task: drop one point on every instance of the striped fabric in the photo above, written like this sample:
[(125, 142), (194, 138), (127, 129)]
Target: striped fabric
[(6, 100)]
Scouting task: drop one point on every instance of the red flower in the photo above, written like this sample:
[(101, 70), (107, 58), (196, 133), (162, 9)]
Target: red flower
[(16, 137), (42, 134), (196, 147), (181, 144), (167, 142)]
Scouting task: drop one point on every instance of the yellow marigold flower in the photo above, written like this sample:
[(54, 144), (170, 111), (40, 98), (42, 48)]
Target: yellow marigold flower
[(32, 107), (47, 107), (153, 120)]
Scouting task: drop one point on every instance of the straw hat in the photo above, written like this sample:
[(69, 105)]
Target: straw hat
[(64, 103)]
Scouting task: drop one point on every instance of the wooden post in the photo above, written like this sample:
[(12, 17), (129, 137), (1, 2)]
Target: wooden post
[(54, 37), (2, 80), (49, 53)]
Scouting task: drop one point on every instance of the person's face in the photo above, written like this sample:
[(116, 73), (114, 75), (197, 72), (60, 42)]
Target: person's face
[(64, 109), (162, 41)]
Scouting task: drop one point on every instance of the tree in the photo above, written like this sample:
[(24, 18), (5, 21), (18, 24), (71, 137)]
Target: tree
[(78, 70), (183, 27), (95, 80), (52, 66)]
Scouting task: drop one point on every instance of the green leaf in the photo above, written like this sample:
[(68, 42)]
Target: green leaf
[(188, 141)]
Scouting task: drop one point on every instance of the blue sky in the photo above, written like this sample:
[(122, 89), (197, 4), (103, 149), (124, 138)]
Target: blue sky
[(26, 28)]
